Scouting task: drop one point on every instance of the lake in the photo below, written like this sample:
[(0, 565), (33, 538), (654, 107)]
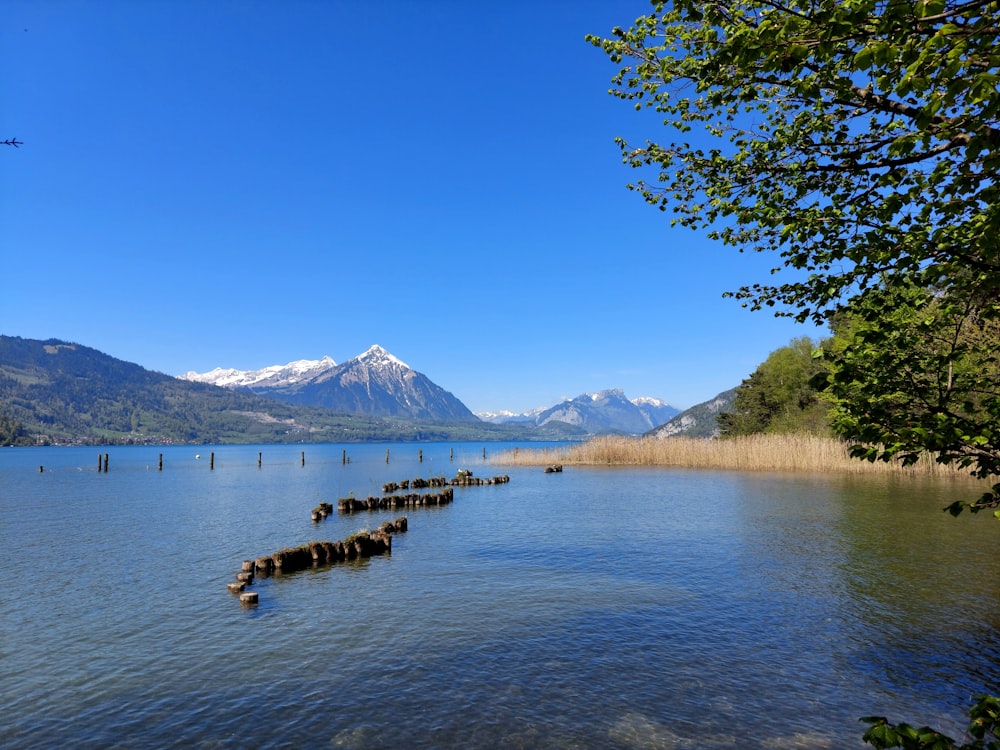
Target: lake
[(594, 608)]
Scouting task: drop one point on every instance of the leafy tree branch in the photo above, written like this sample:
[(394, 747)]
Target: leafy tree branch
[(858, 141)]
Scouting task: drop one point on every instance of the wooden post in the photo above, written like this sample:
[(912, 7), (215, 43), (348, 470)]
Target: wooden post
[(343, 456), (105, 463), (303, 458), (484, 451), (260, 458), (451, 454), (161, 462), (421, 454), (98, 463), (211, 460), (387, 455)]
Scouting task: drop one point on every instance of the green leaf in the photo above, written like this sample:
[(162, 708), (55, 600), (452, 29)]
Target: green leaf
[(881, 735)]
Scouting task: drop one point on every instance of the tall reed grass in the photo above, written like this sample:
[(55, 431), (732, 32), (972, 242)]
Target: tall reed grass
[(791, 452)]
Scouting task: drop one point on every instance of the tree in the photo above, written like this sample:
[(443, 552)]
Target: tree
[(913, 370), (779, 396), (12, 432), (858, 140)]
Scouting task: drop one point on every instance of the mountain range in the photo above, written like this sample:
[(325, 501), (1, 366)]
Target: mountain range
[(62, 392), (378, 383), (602, 412), (374, 383)]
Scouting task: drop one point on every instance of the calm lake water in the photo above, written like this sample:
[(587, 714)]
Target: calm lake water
[(597, 608)]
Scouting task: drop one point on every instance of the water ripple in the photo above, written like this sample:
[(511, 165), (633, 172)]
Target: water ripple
[(628, 608)]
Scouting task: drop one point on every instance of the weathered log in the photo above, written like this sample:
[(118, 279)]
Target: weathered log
[(339, 552), (318, 552), (289, 560)]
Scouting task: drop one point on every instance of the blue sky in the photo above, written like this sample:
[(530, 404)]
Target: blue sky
[(241, 184)]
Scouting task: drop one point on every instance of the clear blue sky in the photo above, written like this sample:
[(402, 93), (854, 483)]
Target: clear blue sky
[(240, 184)]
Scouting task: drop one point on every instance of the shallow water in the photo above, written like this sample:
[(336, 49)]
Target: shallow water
[(634, 608)]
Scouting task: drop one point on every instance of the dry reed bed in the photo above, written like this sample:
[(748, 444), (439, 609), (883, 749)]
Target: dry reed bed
[(807, 453)]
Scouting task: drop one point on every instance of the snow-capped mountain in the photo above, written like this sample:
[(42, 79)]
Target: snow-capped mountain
[(657, 410), (601, 412), (508, 417), (273, 376), (374, 383)]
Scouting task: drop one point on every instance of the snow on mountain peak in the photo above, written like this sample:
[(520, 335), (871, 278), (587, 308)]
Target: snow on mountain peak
[(376, 353), (293, 372), (298, 372), (606, 393), (649, 401)]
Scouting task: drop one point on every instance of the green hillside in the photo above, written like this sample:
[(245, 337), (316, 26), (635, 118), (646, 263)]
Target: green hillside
[(56, 392)]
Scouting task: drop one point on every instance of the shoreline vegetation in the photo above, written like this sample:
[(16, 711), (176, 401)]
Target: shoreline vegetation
[(760, 452)]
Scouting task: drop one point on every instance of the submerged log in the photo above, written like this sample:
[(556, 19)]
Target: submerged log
[(394, 527), (466, 479), (364, 544), (321, 511), (292, 559), (410, 500)]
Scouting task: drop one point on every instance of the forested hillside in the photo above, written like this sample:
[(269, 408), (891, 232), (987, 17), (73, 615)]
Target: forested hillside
[(780, 396), (55, 392)]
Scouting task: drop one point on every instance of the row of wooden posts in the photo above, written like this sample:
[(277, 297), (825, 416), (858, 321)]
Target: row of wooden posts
[(360, 545), (390, 500), (102, 459), (420, 454), (290, 560)]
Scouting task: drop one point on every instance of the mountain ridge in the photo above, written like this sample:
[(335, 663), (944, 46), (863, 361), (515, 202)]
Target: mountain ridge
[(64, 393), (377, 381), (599, 412), (374, 382), (55, 391), (272, 375), (700, 421)]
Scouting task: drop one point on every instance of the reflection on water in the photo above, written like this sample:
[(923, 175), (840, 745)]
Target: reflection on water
[(599, 607)]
